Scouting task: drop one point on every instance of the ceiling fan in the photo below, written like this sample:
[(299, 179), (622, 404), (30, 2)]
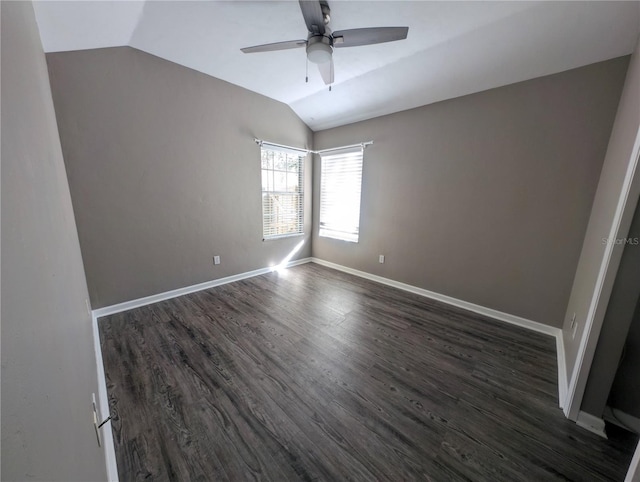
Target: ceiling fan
[(321, 41)]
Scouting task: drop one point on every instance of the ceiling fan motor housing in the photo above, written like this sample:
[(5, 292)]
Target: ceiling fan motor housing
[(319, 49)]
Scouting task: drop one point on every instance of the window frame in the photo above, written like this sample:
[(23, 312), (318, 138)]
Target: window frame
[(352, 159), (270, 190)]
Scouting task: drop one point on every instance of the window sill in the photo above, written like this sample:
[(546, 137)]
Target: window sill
[(346, 239), (282, 236)]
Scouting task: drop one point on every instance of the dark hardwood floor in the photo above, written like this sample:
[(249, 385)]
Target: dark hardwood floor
[(313, 374)]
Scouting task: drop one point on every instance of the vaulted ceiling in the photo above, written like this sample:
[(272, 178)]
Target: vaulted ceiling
[(453, 48)]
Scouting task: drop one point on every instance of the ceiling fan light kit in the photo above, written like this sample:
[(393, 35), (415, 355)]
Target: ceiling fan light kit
[(319, 49), (320, 41)]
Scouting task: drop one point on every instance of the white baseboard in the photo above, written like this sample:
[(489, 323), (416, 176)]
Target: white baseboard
[(167, 295), (103, 407), (591, 423), (621, 419)]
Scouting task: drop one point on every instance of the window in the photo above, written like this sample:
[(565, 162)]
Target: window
[(282, 193), (340, 187)]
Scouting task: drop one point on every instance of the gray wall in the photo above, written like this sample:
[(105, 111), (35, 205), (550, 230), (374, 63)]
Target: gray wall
[(48, 363), (164, 173), (623, 137), (486, 197), (617, 322)]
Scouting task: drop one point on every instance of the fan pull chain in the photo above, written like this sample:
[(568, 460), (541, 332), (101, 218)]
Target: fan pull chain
[(331, 76), (306, 79)]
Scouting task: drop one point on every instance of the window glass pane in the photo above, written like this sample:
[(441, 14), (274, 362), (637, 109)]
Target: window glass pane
[(292, 164), (292, 181), (267, 157), (280, 181), (280, 162), (267, 183)]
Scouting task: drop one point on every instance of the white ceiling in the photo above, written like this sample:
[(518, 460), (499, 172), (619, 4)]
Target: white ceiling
[(453, 48)]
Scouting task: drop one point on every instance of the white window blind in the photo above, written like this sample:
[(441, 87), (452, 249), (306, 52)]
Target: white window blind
[(282, 192), (340, 189)]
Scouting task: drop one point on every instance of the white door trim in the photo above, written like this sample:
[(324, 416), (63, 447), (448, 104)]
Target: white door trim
[(103, 406), (634, 469), (604, 285)]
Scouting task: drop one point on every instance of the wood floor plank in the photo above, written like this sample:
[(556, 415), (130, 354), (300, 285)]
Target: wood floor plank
[(313, 374)]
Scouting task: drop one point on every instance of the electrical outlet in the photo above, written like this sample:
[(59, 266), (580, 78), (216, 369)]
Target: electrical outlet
[(575, 330), (381, 258), (216, 260)]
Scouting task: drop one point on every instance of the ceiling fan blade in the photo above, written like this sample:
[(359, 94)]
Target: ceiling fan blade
[(289, 44), (367, 36), (326, 71), (313, 17)]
